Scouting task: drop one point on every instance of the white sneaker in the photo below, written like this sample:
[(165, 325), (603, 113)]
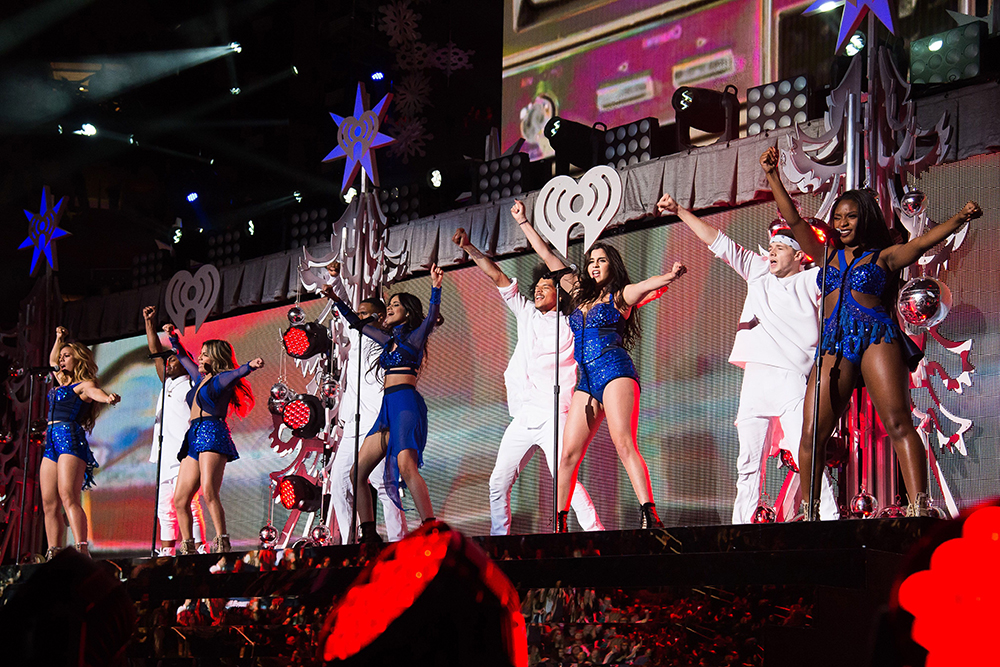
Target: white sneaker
[(166, 551)]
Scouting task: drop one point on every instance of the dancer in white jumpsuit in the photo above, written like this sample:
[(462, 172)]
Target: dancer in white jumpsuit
[(775, 345), (528, 378), (173, 416), (341, 488)]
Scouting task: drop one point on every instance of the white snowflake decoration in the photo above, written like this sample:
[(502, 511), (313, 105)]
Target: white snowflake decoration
[(415, 55), (399, 22), (450, 58), (411, 137), (413, 94)]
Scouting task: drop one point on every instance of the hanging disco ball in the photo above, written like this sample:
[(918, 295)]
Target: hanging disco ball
[(764, 514), (939, 512), (268, 536), (320, 535), (280, 394), (16, 371), (296, 315), (913, 203), (892, 512), (924, 302), (864, 505)]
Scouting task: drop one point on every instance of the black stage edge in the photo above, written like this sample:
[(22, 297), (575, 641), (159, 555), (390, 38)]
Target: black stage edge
[(838, 574)]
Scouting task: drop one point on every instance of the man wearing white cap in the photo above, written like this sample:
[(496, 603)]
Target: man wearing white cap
[(775, 345)]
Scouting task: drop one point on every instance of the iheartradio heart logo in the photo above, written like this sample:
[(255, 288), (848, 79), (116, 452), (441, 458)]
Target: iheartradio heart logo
[(186, 293), (591, 202), (355, 135)]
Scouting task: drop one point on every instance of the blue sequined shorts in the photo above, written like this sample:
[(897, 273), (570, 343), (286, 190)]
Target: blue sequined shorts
[(404, 416), (208, 434), (70, 438), (595, 375)]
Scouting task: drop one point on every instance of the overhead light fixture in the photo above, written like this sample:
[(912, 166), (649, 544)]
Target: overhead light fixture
[(295, 70), (632, 143), (503, 177), (250, 229), (574, 143), (86, 130), (435, 178), (303, 341), (192, 197), (304, 414), (235, 46), (856, 44), (711, 111), (177, 235), (298, 196), (234, 90), (350, 195), (298, 493), (378, 76)]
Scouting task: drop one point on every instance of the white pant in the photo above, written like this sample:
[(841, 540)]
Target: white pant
[(167, 514), (771, 403), (516, 449), (342, 492)]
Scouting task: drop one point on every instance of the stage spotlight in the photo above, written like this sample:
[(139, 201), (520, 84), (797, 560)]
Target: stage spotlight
[(250, 228), (234, 91), (435, 178), (706, 110), (503, 177), (829, 6), (178, 233), (948, 56), (151, 268), (632, 143), (307, 228), (303, 414), (303, 341), (856, 44), (235, 46), (86, 130), (295, 70), (350, 195), (298, 493), (297, 196), (779, 104), (192, 197), (224, 248), (574, 143), (433, 589), (378, 76)]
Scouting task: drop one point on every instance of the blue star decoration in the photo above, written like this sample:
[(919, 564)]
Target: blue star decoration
[(854, 13), (43, 229), (358, 136)]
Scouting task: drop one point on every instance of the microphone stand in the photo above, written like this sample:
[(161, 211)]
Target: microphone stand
[(357, 439), (159, 456), (818, 366), (555, 417)]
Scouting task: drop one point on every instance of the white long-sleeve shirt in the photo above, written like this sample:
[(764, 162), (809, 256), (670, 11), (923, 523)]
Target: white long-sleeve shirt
[(530, 373), (778, 325), (371, 385)]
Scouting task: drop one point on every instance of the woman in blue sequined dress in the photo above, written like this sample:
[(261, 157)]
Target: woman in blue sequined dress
[(605, 327), (220, 388), (68, 464), (399, 434), (860, 337)]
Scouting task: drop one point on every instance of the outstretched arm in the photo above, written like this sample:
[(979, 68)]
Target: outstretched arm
[(800, 228), (904, 254), (542, 248), (704, 231), (487, 265), (641, 293), (182, 355), (354, 321), (152, 339), (96, 394)]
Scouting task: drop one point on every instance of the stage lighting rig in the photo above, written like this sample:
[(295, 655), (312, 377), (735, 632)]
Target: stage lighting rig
[(302, 341), (506, 176), (948, 56), (706, 110), (86, 130), (307, 228), (631, 143), (299, 493), (192, 197), (574, 143), (779, 104), (400, 204), (224, 248), (303, 414), (151, 268)]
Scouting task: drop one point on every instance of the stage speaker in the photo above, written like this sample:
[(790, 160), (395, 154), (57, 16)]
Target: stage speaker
[(948, 56)]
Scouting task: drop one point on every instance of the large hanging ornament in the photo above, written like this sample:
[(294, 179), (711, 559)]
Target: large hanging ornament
[(320, 535), (296, 315), (358, 136), (894, 511), (913, 203), (268, 536), (764, 514), (864, 505), (43, 229), (280, 394), (924, 302)]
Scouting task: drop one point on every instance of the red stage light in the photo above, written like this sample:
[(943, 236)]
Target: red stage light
[(303, 414), (299, 493), (306, 340)]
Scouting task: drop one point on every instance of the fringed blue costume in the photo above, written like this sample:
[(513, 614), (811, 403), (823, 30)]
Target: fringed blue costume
[(403, 413), (600, 357), (851, 328), (65, 434), (209, 433)]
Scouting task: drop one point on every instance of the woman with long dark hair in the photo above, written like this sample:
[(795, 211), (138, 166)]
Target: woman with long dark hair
[(68, 464), (399, 434), (860, 336), (605, 328), (221, 388)]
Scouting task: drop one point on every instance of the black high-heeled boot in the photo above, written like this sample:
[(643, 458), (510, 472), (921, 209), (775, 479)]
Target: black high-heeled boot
[(368, 533), (561, 526), (648, 518)]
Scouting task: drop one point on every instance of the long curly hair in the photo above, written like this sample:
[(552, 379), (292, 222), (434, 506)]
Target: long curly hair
[(222, 357), (588, 292), (84, 369)]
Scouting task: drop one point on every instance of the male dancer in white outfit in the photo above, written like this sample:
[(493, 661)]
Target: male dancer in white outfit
[(529, 378), (341, 488), (175, 425), (775, 345)]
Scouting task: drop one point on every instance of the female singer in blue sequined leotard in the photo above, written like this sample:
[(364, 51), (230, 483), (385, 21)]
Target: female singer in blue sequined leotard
[(860, 337), (220, 388), (399, 434), (605, 328), (68, 464)]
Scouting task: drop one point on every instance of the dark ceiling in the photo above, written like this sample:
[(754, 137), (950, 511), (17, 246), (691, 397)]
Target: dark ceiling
[(241, 153)]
